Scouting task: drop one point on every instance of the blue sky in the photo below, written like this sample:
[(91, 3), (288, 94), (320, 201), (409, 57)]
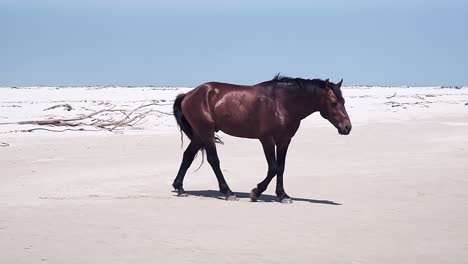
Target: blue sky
[(186, 43)]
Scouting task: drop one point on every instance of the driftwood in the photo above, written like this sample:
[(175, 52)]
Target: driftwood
[(65, 106), (107, 119), (52, 130), (391, 96)]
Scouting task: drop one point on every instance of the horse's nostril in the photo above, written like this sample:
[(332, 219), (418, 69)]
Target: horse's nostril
[(347, 128)]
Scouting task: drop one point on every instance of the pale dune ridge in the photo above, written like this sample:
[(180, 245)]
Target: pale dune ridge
[(393, 191)]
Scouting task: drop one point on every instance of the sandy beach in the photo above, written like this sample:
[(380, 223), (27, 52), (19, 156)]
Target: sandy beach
[(394, 191)]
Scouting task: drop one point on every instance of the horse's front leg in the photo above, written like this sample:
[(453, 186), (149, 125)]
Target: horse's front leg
[(281, 150), (269, 149)]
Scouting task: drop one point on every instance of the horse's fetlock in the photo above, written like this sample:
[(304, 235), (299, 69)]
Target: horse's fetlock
[(177, 185)]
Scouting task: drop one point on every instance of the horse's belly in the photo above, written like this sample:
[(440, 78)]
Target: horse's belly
[(238, 126), (242, 114)]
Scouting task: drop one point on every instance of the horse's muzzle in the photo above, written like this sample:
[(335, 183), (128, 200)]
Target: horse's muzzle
[(344, 128)]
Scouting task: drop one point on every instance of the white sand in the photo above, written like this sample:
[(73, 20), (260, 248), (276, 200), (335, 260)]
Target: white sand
[(400, 179)]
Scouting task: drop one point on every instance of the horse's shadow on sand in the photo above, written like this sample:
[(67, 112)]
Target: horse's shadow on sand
[(264, 198)]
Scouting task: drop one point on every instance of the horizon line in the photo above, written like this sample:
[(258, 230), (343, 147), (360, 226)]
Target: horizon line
[(185, 86)]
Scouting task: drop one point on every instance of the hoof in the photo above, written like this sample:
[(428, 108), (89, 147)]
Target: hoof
[(286, 200), (182, 193), (231, 197), (253, 195)]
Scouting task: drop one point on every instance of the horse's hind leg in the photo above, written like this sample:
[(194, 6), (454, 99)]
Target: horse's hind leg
[(212, 157), (204, 127), (187, 160)]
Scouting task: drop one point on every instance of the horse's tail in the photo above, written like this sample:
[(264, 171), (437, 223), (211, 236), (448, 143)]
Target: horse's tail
[(180, 118), (182, 121), (184, 125)]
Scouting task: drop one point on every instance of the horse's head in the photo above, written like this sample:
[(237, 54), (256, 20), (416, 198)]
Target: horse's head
[(332, 107)]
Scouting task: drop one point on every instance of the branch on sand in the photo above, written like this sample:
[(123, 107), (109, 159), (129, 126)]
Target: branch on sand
[(106, 119), (391, 96), (65, 106)]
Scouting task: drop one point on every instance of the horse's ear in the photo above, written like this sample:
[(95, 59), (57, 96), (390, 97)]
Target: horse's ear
[(340, 83)]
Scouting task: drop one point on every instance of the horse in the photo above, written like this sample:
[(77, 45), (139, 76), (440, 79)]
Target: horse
[(270, 111)]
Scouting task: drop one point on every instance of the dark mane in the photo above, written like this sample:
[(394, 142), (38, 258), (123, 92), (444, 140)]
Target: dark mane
[(307, 85)]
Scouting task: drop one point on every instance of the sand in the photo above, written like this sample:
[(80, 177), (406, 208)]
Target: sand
[(394, 191)]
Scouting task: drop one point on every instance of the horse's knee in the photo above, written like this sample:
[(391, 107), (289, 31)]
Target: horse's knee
[(273, 169)]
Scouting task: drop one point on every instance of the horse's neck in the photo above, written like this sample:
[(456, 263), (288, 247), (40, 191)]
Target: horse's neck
[(300, 106)]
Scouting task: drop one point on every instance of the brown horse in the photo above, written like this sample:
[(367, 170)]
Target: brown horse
[(270, 111)]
